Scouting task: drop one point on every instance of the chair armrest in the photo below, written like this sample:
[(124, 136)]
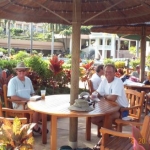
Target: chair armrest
[(17, 111), (115, 133), (129, 108), (23, 120), (120, 121), (18, 102)]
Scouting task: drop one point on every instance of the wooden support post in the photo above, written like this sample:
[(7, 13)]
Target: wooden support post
[(143, 54), (76, 25)]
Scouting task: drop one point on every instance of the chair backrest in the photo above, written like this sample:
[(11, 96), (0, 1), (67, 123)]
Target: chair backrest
[(145, 131), (90, 86), (147, 104), (7, 103), (135, 99)]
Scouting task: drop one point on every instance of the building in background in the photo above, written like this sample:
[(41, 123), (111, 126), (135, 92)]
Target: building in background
[(93, 46)]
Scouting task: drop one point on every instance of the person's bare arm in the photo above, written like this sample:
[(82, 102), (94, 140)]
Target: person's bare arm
[(111, 97)]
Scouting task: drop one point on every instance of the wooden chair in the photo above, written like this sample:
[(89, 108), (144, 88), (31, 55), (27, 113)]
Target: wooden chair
[(8, 101), (123, 141), (136, 100), (147, 104), (90, 86), (10, 112)]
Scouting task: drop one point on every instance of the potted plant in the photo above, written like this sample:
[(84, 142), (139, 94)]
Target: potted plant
[(15, 136)]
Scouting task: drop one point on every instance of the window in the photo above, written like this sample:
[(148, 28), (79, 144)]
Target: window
[(100, 41), (92, 41), (108, 42)]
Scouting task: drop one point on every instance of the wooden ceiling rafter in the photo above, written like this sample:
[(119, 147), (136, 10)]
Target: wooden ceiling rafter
[(102, 11), (53, 12)]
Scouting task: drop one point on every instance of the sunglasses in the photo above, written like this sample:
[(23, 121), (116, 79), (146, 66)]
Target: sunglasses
[(21, 70)]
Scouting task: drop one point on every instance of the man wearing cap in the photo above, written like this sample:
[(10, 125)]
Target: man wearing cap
[(20, 88)]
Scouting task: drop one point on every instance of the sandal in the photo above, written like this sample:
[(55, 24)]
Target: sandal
[(39, 130)]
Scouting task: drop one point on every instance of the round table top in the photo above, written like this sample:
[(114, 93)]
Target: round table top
[(58, 105)]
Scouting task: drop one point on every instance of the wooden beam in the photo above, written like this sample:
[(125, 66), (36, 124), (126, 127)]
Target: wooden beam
[(76, 25), (143, 53), (103, 11)]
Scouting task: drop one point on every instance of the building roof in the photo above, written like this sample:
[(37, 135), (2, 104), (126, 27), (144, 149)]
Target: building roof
[(25, 44)]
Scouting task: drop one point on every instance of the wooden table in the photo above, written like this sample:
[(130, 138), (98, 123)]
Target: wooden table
[(57, 106)]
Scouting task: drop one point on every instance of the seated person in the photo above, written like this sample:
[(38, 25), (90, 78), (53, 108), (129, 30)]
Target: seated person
[(112, 89), (137, 72), (96, 77), (147, 81), (20, 88)]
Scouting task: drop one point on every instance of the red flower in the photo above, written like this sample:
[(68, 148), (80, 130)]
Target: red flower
[(56, 65), (88, 65)]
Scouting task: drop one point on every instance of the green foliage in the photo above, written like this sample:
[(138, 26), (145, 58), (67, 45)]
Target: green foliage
[(5, 64), (3, 50), (38, 65), (12, 51), (108, 61), (16, 32), (85, 30), (34, 52), (47, 36), (1, 30), (119, 64), (134, 63), (132, 50), (66, 32), (148, 60), (40, 36), (21, 55)]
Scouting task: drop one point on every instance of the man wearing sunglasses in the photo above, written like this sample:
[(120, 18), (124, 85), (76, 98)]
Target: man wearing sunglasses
[(20, 88)]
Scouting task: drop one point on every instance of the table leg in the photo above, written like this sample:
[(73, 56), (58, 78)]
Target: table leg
[(53, 138), (88, 128), (44, 128), (107, 125)]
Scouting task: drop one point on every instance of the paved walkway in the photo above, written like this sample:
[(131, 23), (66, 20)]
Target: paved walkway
[(63, 133)]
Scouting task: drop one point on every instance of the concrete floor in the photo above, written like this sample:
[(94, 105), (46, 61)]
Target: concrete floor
[(63, 133)]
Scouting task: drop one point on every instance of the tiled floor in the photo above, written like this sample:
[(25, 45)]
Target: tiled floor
[(63, 132)]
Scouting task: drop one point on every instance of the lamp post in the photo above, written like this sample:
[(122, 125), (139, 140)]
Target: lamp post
[(8, 27), (31, 37), (52, 43)]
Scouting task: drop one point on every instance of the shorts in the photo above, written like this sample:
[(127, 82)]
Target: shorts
[(19, 106)]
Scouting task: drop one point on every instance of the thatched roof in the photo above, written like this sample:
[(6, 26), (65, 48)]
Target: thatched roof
[(93, 12), (123, 29)]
